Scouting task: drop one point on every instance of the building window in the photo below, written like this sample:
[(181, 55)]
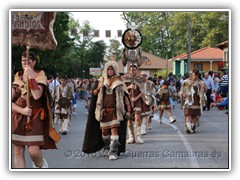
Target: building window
[(198, 66)]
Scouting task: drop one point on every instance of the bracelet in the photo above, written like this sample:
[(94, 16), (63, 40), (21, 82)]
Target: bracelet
[(33, 84)]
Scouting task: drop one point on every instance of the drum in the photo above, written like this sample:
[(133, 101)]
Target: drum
[(64, 102), (149, 100)]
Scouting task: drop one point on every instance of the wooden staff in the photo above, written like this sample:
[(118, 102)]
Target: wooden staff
[(132, 81), (28, 89)]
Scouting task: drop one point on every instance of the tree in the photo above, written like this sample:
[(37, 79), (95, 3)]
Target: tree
[(86, 53), (166, 33), (154, 27), (114, 49), (51, 61), (95, 55)]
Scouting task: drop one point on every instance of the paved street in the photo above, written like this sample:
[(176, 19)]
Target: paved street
[(166, 145)]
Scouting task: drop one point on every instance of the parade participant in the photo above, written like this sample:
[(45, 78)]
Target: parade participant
[(148, 102), (153, 111), (38, 133), (70, 116), (154, 107), (88, 94), (134, 84), (163, 96), (192, 91), (63, 96), (109, 106), (173, 94)]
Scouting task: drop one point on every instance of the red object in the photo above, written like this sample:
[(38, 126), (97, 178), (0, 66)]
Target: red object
[(33, 84), (221, 64), (217, 98)]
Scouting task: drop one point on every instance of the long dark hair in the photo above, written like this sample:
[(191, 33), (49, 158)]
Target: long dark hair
[(196, 72)]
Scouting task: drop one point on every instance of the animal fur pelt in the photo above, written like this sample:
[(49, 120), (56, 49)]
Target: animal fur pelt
[(93, 135), (188, 90), (125, 56)]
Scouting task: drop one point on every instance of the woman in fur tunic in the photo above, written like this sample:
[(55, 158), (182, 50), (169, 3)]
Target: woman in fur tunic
[(111, 106), (193, 92)]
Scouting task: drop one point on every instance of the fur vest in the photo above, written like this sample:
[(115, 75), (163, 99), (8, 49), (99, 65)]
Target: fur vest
[(118, 85), (188, 90)]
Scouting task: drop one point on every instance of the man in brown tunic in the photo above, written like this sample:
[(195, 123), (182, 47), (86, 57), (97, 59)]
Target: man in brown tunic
[(148, 104), (62, 113), (38, 133), (111, 107), (134, 84)]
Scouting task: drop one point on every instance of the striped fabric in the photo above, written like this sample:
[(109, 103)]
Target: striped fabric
[(20, 138), (109, 124), (224, 80)]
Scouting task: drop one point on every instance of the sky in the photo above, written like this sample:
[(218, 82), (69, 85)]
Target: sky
[(103, 21)]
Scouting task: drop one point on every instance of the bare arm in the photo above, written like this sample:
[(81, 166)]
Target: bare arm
[(139, 96)]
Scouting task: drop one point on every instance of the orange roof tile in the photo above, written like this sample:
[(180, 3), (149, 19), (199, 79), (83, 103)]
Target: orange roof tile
[(204, 53)]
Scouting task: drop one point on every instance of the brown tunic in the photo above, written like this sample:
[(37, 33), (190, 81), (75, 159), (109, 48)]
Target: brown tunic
[(164, 103), (20, 136), (41, 125), (137, 105), (145, 109), (109, 118)]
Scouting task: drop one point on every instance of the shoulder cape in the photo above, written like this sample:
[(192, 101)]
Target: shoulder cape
[(93, 134)]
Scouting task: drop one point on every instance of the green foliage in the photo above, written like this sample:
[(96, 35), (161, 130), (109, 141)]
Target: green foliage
[(166, 33), (163, 72), (74, 54), (114, 48), (51, 61)]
